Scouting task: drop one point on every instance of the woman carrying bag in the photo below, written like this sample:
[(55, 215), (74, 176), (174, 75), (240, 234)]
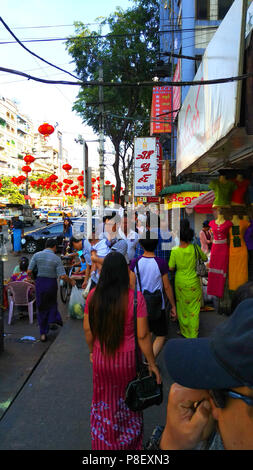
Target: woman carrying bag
[(109, 332)]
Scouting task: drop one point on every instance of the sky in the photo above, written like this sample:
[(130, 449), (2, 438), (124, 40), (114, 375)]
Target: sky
[(42, 102)]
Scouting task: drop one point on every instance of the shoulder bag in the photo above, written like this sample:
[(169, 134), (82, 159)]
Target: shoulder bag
[(153, 300), (201, 269), (143, 391)]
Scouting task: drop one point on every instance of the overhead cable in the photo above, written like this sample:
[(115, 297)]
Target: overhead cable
[(32, 53), (128, 84)]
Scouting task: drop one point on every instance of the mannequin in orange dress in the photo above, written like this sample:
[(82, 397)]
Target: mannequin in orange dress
[(238, 254)]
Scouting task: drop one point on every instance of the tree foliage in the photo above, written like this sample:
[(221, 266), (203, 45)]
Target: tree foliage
[(11, 191), (127, 54)]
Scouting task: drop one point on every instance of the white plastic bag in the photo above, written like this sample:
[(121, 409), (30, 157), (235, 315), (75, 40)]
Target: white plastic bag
[(87, 289), (76, 304)]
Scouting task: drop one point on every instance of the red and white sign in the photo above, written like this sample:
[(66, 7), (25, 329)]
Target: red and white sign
[(161, 110), (145, 166)]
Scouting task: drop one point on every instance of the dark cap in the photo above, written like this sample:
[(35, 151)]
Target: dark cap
[(223, 360), (206, 223)]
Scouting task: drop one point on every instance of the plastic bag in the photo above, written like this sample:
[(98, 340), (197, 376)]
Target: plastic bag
[(87, 289), (76, 304)]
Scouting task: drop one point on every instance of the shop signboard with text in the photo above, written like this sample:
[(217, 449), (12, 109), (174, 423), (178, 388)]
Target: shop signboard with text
[(161, 110), (182, 199), (145, 166)]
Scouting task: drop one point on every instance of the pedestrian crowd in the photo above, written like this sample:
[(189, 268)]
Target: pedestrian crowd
[(210, 404)]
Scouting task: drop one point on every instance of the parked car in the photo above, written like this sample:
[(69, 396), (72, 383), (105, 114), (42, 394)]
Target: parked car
[(35, 240)]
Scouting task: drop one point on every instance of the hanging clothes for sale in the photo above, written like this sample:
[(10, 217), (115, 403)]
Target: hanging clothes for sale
[(238, 196), (218, 265), (248, 237), (238, 254)]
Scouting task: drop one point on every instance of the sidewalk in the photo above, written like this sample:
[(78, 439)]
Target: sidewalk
[(51, 406)]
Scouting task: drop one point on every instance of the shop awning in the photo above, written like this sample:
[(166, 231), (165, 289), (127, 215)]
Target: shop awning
[(202, 204), (184, 187)]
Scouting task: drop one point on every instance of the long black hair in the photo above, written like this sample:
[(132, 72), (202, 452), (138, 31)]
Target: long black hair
[(108, 306)]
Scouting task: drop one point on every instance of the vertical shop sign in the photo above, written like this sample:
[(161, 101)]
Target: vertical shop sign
[(161, 110), (145, 166)]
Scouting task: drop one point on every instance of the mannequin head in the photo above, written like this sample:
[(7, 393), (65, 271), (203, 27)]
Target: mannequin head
[(223, 176), (239, 177), (222, 179)]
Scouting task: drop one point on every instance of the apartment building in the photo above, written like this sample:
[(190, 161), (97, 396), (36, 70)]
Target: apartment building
[(18, 136)]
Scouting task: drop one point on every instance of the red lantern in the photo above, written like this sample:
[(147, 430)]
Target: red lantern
[(46, 129), (93, 180), (68, 181), (26, 169), (67, 167), (108, 182), (29, 159), (80, 178), (53, 177)]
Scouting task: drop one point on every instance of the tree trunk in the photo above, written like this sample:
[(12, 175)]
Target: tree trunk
[(117, 176)]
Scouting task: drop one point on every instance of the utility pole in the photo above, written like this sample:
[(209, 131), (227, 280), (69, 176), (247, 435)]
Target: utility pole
[(101, 130), (59, 135)]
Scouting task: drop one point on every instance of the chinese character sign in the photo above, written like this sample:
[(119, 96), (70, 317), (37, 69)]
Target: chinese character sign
[(161, 110), (145, 166)]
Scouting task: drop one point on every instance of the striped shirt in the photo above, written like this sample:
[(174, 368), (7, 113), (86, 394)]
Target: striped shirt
[(48, 264)]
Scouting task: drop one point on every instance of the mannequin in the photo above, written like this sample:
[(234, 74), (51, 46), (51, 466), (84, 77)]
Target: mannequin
[(219, 255), (239, 193), (238, 253), (223, 190), (220, 217)]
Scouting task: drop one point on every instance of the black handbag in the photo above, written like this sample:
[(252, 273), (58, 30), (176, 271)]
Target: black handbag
[(201, 269), (143, 391), (153, 300)]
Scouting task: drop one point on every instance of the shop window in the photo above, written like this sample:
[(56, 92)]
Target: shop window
[(202, 8), (223, 7)]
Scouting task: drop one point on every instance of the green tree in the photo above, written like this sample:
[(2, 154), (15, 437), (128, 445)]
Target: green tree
[(11, 191), (127, 54)]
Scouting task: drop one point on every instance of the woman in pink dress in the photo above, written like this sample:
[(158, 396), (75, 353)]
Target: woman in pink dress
[(218, 265), (109, 332)]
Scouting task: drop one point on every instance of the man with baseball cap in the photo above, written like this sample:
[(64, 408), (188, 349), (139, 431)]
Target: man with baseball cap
[(210, 405)]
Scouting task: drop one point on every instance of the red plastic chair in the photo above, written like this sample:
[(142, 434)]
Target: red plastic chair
[(21, 293)]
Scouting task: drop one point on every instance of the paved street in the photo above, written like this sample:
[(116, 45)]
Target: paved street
[(46, 388)]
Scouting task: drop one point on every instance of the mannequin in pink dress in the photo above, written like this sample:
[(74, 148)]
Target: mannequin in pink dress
[(218, 265)]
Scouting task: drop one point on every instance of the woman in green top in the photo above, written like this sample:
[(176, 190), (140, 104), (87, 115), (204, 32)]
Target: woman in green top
[(187, 283)]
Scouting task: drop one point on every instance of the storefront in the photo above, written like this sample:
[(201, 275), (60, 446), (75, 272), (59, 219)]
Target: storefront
[(180, 196), (215, 123)]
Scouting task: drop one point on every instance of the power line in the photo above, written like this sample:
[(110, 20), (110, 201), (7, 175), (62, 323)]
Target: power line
[(106, 36), (32, 53), (128, 84)]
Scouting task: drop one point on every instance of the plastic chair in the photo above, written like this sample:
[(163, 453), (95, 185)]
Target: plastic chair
[(20, 293)]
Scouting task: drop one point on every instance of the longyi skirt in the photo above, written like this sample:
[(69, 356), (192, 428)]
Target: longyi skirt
[(113, 425)]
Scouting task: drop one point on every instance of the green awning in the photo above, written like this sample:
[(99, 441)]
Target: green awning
[(184, 187)]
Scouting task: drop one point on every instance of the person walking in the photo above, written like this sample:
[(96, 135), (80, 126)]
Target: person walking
[(205, 237), (151, 273), (49, 268), (109, 333), (187, 283)]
